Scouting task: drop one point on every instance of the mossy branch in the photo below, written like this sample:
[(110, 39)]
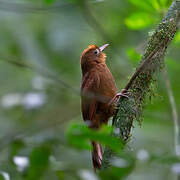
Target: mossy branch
[(140, 84)]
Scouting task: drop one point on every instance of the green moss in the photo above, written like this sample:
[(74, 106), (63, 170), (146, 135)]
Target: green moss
[(142, 87)]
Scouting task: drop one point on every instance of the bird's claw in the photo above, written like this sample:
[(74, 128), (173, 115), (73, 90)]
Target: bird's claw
[(123, 93), (116, 107)]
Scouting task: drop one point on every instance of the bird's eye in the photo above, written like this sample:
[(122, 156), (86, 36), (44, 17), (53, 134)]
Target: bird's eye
[(96, 51)]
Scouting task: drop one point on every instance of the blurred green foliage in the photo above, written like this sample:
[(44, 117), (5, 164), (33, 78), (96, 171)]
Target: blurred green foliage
[(80, 136), (42, 133)]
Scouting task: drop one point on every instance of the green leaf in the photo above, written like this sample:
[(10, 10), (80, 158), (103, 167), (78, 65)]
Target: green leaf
[(138, 21), (177, 37), (164, 3), (16, 146), (49, 1), (155, 5), (142, 4), (76, 137), (39, 161), (133, 56), (2, 177), (80, 137)]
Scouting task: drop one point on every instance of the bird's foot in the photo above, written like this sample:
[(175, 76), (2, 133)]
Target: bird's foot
[(114, 100)]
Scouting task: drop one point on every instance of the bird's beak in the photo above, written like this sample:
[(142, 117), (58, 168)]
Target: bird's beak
[(103, 47)]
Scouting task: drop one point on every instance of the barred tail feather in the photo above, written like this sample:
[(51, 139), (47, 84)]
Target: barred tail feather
[(96, 155)]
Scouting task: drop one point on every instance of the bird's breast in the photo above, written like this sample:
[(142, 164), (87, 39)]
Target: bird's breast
[(107, 82)]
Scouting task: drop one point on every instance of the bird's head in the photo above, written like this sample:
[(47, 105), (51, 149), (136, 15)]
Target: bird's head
[(92, 56)]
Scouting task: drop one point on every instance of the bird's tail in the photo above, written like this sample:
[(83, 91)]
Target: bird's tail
[(96, 155)]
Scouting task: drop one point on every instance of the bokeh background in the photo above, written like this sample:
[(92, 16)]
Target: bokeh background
[(40, 46)]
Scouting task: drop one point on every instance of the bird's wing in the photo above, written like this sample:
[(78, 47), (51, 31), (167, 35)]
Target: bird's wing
[(89, 87)]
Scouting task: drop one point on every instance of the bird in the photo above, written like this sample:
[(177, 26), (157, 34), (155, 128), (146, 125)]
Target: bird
[(98, 94)]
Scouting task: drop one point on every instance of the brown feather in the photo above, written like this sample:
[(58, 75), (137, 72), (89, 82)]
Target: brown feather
[(97, 89)]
